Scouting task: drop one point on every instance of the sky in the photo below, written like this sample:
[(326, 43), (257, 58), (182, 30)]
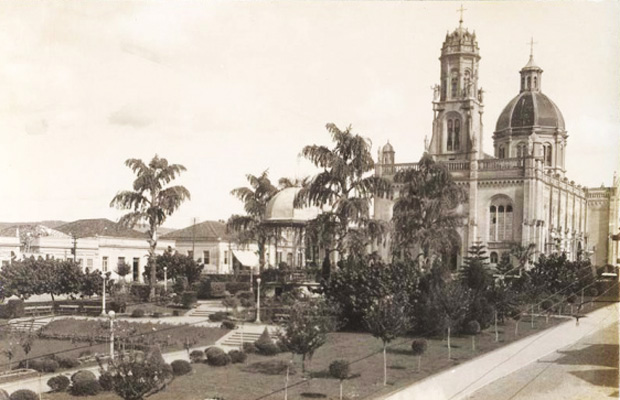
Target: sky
[(234, 88)]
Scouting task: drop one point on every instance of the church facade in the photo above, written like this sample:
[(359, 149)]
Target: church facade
[(521, 193)]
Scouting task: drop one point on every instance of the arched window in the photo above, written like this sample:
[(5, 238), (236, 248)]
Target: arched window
[(500, 220), (523, 83), (493, 257), (450, 134), (547, 154), (535, 83), (521, 150), (501, 153), (454, 84), (457, 133), (529, 83)]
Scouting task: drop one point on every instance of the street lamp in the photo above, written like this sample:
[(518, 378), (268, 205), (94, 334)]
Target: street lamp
[(165, 278), (103, 297), (111, 315), (258, 300)]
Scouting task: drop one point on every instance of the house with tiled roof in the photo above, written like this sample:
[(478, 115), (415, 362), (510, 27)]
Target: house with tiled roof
[(209, 242)]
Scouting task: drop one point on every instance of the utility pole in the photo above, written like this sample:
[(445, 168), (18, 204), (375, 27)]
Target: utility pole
[(74, 250), (194, 238)]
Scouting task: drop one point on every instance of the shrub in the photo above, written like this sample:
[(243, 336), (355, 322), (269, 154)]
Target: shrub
[(4, 395), (245, 295), (217, 357), (140, 291), (227, 324), (230, 302), (181, 367), (203, 289), (24, 394), (218, 316), (472, 328), (282, 347), (339, 369), (197, 356), (85, 353), (418, 346), (176, 313), (249, 348), (44, 365), (247, 303), (188, 299), (137, 313), (68, 362), (265, 344), (235, 287), (118, 306), (15, 308), (156, 314), (106, 381), (58, 383), (547, 305), (237, 357), (82, 376), (217, 289), (85, 388), (272, 367), (591, 291)]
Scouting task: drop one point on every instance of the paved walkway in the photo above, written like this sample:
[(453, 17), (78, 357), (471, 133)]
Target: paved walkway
[(465, 379), (586, 370)]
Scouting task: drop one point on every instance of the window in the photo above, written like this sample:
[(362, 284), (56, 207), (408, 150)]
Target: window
[(104, 264), (206, 257), (289, 259), (457, 131), (535, 82), (522, 83), (454, 87), (89, 262), (529, 83), (547, 154), (521, 150), (450, 133), (501, 153), (225, 256), (278, 257), (494, 257), (500, 221)]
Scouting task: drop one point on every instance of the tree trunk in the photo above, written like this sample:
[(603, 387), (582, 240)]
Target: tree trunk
[(449, 347), (473, 343), (419, 362), (261, 256), (546, 318), (496, 332), (384, 365), (341, 389), (303, 364), (532, 311), (516, 327), (153, 259)]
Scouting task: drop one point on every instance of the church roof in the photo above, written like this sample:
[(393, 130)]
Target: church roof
[(530, 109)]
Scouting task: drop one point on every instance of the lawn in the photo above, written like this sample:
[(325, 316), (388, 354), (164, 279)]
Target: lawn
[(242, 381)]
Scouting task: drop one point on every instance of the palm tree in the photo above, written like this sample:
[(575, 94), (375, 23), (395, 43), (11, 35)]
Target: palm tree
[(151, 201), (426, 212), (346, 186), (251, 227)]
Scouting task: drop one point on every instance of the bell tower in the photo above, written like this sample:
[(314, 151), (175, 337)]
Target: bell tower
[(458, 99)]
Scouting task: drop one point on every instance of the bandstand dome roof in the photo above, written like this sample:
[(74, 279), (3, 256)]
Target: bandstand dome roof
[(280, 209)]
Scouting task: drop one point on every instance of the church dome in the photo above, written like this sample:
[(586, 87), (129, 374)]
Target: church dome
[(388, 148), (281, 210), (530, 109)]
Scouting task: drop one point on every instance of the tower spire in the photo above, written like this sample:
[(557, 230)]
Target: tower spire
[(532, 43), (461, 10)]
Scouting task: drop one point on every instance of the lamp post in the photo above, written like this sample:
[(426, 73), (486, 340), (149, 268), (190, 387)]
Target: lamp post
[(258, 300), (165, 278), (111, 315), (103, 298)]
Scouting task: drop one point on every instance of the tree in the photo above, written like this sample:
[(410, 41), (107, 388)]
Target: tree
[(307, 327), (123, 269), (386, 319), (452, 301), (178, 266), (92, 282), (150, 200), (475, 273), (135, 376), (251, 227), (418, 347), (426, 212), (340, 370), (346, 186), (26, 341)]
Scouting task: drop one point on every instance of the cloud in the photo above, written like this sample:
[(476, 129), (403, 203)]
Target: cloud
[(128, 117)]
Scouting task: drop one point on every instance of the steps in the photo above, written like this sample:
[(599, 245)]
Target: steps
[(236, 339), (26, 326), (201, 313)]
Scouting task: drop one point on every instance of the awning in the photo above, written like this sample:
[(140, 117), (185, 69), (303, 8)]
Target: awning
[(247, 258)]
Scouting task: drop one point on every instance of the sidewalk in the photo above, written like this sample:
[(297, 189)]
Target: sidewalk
[(465, 379)]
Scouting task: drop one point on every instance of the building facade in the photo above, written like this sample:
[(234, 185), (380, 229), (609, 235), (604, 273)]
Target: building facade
[(521, 193)]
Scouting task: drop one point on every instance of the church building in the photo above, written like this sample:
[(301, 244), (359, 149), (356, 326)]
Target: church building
[(521, 194)]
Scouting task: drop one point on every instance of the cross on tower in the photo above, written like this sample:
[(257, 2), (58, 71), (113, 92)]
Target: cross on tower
[(532, 43), (461, 11)]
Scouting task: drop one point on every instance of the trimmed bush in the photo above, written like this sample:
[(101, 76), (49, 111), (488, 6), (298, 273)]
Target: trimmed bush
[(176, 313), (418, 346), (58, 383), (339, 369), (265, 344), (217, 289), (106, 381), (118, 306), (271, 367), (24, 394), (85, 353), (547, 305), (245, 294), (44, 365), (234, 287), (282, 347), (14, 309), (85, 388), (4, 395), (137, 313), (140, 291), (181, 367), (227, 324), (217, 357), (472, 328), (218, 316), (188, 299), (591, 291), (82, 376), (197, 356), (237, 357), (68, 362), (249, 348)]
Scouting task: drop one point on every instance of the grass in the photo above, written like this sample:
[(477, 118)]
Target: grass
[(150, 309), (257, 378)]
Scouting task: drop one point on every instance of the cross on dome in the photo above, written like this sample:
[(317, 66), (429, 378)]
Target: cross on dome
[(532, 43), (461, 10)]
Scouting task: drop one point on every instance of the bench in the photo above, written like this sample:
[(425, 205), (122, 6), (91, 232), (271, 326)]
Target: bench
[(91, 309), (279, 318), (37, 310), (68, 309)]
